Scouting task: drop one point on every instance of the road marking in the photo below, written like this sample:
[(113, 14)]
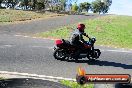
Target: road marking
[(26, 36), (38, 46), (42, 47), (50, 47), (4, 46), (7, 45), (36, 76), (121, 51), (34, 37), (18, 35)]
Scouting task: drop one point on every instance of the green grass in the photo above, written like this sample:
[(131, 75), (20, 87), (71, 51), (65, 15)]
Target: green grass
[(58, 33), (112, 30), (2, 78), (7, 16), (75, 85)]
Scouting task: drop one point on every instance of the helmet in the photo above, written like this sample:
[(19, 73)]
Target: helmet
[(81, 27)]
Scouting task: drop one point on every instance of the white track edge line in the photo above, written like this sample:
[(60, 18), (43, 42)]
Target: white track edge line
[(35, 75), (123, 51)]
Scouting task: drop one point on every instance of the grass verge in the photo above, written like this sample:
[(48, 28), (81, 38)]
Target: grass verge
[(112, 30), (2, 78), (8, 16), (75, 85)]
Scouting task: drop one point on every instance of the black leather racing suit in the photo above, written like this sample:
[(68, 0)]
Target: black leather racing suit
[(77, 41)]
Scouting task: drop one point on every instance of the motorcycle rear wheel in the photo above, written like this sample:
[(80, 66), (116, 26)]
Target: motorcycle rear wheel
[(59, 54)]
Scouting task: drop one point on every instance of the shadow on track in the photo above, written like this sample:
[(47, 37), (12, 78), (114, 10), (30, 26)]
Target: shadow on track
[(104, 63), (29, 83)]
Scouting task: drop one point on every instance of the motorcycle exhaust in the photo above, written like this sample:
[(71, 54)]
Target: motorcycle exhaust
[(83, 55)]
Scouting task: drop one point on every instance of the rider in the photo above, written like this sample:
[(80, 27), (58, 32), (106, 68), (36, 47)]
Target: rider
[(77, 38)]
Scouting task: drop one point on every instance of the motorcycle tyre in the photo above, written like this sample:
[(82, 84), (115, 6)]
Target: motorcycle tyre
[(57, 57)]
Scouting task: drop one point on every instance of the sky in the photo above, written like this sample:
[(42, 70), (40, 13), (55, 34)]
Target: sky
[(119, 7)]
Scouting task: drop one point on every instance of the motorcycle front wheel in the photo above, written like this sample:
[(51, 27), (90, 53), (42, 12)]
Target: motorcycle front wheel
[(97, 53), (94, 55), (59, 54)]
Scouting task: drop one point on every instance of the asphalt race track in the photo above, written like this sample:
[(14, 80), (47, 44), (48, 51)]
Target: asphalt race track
[(29, 83), (34, 55)]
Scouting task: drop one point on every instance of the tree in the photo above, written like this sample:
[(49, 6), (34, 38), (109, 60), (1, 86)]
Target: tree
[(105, 5), (107, 2), (40, 6), (9, 3), (101, 6), (87, 6), (26, 3), (84, 6), (63, 4), (95, 7), (81, 7), (34, 4), (75, 7), (0, 3)]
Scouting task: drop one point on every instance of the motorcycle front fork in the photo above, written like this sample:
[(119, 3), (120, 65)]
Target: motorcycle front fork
[(92, 51)]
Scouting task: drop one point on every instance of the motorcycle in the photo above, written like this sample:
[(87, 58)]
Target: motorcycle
[(64, 49)]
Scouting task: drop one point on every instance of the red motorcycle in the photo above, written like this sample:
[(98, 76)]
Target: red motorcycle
[(65, 50)]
